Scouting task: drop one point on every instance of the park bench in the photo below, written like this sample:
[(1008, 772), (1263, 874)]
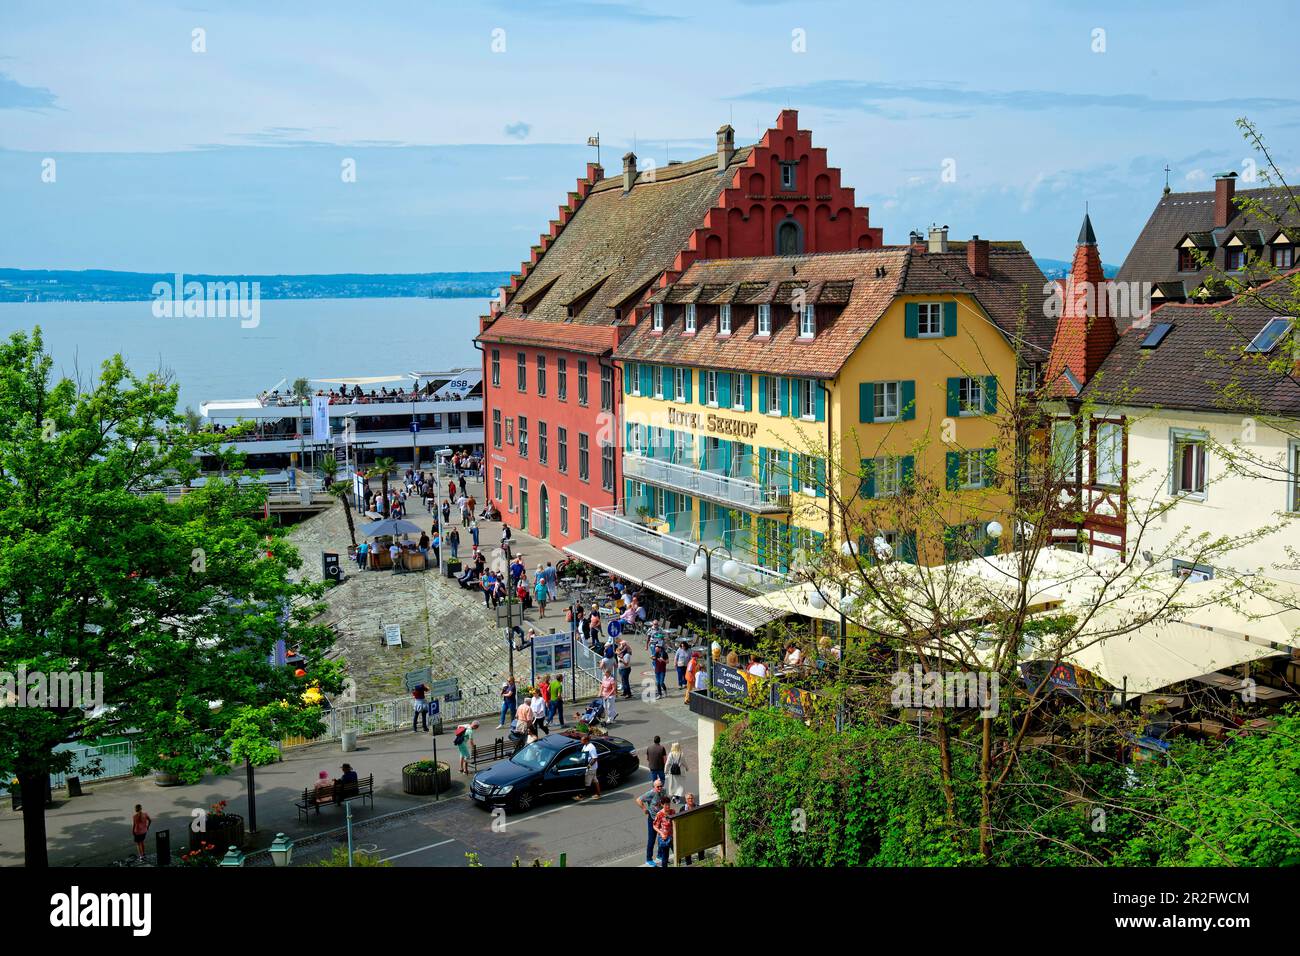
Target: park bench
[(338, 794), (487, 755)]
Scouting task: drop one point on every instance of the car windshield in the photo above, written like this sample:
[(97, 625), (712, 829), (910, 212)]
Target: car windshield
[(534, 756)]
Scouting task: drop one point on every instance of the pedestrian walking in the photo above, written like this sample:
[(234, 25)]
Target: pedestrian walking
[(552, 581), (538, 705), (508, 692), (651, 802), (661, 671), (140, 823), (625, 668), (420, 710), (540, 593), (608, 695), (473, 531), (505, 540), (463, 740), (692, 668), (362, 550), (681, 659), (656, 755), (664, 829), (593, 767), (453, 541), (557, 699), (676, 769)]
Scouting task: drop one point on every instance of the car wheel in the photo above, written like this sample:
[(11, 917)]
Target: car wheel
[(524, 801), (611, 778)]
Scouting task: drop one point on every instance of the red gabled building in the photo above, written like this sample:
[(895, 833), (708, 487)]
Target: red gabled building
[(552, 390)]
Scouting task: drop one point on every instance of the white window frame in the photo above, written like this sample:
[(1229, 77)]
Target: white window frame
[(880, 401), (773, 385), (807, 399), (892, 466), (1293, 471), (1108, 475), (1188, 436), (711, 388), (679, 385), (764, 319), (737, 392), (1068, 467), (690, 318), (724, 319), (972, 470), (972, 404), (635, 371), (925, 311), (658, 377), (808, 322), (657, 319)]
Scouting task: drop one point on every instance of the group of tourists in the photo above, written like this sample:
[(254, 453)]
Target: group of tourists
[(532, 712)]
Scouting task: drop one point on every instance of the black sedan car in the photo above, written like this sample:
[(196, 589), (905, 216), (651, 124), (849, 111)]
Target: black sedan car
[(555, 765)]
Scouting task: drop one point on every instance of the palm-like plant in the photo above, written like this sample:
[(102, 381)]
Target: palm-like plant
[(384, 465), (342, 490)]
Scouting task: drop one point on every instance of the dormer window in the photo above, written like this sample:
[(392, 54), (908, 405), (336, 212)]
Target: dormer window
[(1283, 257), (724, 319), (1186, 260), (657, 322), (808, 322), (788, 177), (764, 319), (690, 318), (1234, 259)]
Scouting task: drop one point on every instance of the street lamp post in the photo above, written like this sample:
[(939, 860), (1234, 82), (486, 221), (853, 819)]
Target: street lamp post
[(701, 568)]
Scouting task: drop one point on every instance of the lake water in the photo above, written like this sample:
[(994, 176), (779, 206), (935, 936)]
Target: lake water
[(295, 338)]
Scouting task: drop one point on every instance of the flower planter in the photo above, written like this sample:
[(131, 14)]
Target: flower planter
[(423, 782), (166, 779), (220, 831)]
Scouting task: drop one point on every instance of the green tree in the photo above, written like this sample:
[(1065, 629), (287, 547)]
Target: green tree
[(384, 465), (177, 607)]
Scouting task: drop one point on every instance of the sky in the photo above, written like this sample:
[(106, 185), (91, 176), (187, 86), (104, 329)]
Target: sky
[(161, 137)]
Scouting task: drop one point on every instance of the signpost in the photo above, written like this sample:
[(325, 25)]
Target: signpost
[(393, 635), (551, 653)]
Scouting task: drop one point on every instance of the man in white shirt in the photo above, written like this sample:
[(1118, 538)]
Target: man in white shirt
[(758, 668), (395, 553), (593, 766)]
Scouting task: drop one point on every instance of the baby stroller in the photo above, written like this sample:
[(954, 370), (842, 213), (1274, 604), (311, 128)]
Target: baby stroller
[(594, 715)]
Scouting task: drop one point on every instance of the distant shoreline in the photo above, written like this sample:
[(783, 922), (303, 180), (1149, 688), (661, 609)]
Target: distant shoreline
[(100, 285)]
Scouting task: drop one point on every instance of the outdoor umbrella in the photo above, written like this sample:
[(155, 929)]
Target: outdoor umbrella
[(393, 526)]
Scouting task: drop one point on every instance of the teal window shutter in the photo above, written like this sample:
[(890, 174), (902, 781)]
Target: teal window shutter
[(949, 319), (820, 477), (909, 320), (629, 369), (821, 399), (784, 478), (907, 549), (761, 541), (909, 470), (762, 466), (726, 448), (644, 379), (907, 399), (794, 472), (953, 461), (666, 378), (954, 397), (990, 394), (868, 487), (688, 376), (749, 393), (762, 394), (785, 397), (867, 402), (724, 389)]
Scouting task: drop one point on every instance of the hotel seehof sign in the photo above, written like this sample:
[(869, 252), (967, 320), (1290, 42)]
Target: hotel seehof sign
[(730, 425)]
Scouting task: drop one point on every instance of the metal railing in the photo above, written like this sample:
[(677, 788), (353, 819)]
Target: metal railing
[(741, 492), (613, 524)]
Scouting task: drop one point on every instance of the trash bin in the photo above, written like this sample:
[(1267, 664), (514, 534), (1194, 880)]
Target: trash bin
[(74, 786), (453, 568), (349, 738)]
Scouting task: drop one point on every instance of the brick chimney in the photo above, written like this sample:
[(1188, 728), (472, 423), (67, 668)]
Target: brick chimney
[(977, 257), (629, 171), (938, 239), (1225, 187), (726, 146)]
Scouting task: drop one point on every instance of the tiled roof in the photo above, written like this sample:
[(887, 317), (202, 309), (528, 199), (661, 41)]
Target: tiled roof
[(614, 245), (864, 282), (1154, 256), (1199, 365)]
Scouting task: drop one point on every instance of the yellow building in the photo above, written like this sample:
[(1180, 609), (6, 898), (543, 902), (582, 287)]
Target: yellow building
[(764, 397)]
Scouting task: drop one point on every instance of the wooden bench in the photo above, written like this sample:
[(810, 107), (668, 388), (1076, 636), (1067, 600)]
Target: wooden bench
[(338, 794), (486, 755)]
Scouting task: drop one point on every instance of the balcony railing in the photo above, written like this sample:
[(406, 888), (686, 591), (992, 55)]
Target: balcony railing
[(613, 524), (736, 492)]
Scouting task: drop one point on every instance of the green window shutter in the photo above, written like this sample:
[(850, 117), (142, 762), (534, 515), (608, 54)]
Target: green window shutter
[(953, 468), (820, 477), (688, 376), (647, 380), (949, 319), (907, 548), (762, 394), (907, 398), (784, 479), (785, 397), (666, 378), (954, 399), (909, 470), (629, 369), (724, 389), (760, 541), (867, 402), (909, 320), (794, 472), (865, 550), (868, 487), (821, 400), (990, 394), (762, 466), (990, 467), (704, 387), (749, 393)]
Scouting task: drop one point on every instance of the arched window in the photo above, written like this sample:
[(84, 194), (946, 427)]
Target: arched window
[(789, 238)]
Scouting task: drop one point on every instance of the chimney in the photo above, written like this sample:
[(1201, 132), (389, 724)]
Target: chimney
[(726, 146), (977, 257), (1225, 187), (629, 171), (938, 241)]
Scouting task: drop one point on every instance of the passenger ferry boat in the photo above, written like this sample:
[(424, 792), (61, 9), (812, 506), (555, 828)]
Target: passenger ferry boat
[(407, 417)]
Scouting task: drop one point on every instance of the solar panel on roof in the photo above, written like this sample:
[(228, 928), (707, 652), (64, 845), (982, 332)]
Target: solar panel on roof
[(1156, 335), (1267, 338)]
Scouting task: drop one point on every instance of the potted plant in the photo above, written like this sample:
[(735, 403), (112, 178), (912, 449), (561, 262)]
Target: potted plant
[(426, 777), (219, 828), (205, 854)]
